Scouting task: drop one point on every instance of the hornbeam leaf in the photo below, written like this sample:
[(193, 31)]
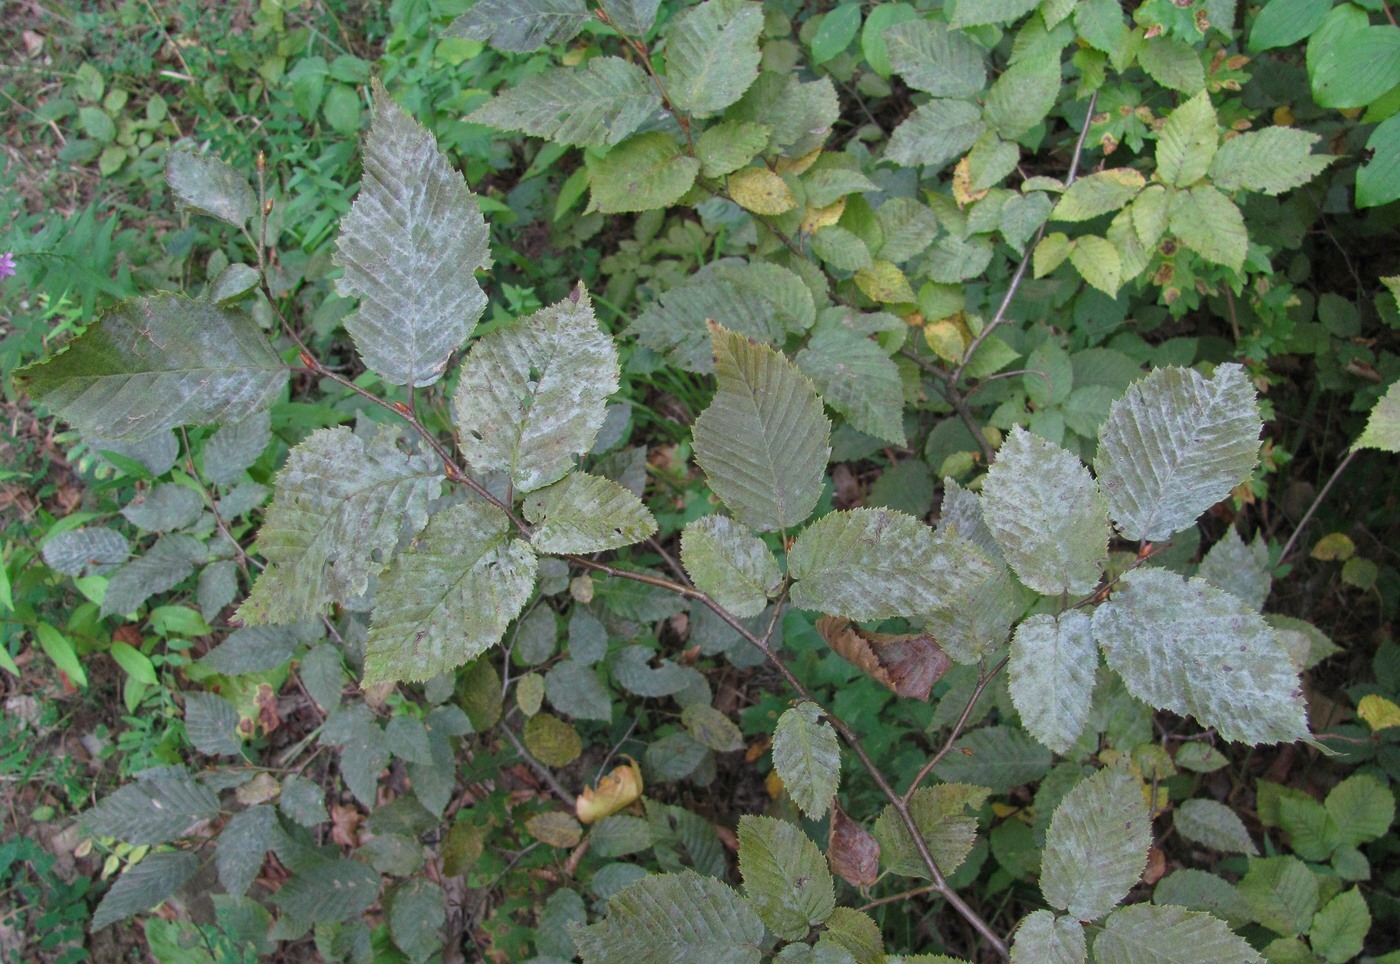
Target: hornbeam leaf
[(330, 891), (521, 26), (1188, 142), (1096, 847), (1271, 161), (1185, 646), (243, 844), (212, 187), (409, 247), (142, 886), (449, 596), (730, 563), (857, 379), (1043, 938), (596, 106), (1047, 514), (586, 513), (644, 172), (631, 17), (807, 757), (674, 919), (936, 60), (712, 55), (1175, 445), (785, 876), (1210, 224), (852, 850), (76, 550), (935, 133), (151, 364), (155, 809), (164, 566), (764, 441), (1052, 676), (532, 394), (1383, 427), (339, 508), (941, 814), (1169, 935)]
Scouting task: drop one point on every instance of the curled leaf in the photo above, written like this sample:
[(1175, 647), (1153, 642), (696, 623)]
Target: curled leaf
[(853, 851), (909, 664), (618, 789)]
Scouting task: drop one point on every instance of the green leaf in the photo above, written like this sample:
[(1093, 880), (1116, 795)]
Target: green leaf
[(1271, 161), (243, 844), (447, 598), (1363, 807), (841, 249), (1175, 445), (1378, 180), (235, 447), (1173, 63), (160, 806), (785, 876), (763, 442), (1339, 930), (521, 26), (1213, 825), (1188, 141), (857, 379), (1170, 935), (303, 801), (711, 728), (712, 55), (329, 891), (729, 145), (1099, 262), (935, 134), (807, 756), (586, 513), (1023, 95), (1282, 23), (144, 885), (340, 506), (1096, 847), (218, 586), (907, 226), (1050, 252), (1047, 514), (875, 564), (1052, 677), (165, 507), (151, 364), (836, 31), (593, 106), (645, 172), (974, 13), (417, 913), (164, 566), (999, 758), (211, 723), (209, 186), (1282, 894), (633, 671), (1190, 648), (1242, 571), (76, 550), (939, 61), (1049, 375), (1098, 194), (1210, 224), (409, 247), (1043, 938), (364, 749), (1350, 62), (800, 113), (256, 649), (532, 394), (633, 18), (948, 829), (729, 563), (674, 919), (976, 609)]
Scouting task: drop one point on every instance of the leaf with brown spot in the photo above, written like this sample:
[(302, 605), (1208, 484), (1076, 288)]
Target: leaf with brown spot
[(907, 663), (853, 851), (555, 828), (268, 717), (345, 825)]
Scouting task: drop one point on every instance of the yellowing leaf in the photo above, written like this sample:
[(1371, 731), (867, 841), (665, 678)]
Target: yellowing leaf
[(1378, 712), (882, 281), (796, 165), (946, 339), (1334, 547), (962, 185), (554, 828), (618, 789), (817, 218), (759, 190)]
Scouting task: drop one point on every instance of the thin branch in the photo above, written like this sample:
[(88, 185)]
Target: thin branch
[(540, 769), (957, 729), (1307, 516)]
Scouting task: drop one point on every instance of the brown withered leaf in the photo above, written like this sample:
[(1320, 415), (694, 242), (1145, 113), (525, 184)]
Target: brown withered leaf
[(345, 825), (852, 850), (909, 664)]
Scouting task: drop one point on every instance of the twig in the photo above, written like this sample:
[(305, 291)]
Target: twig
[(1307, 516), (540, 769), (957, 729)]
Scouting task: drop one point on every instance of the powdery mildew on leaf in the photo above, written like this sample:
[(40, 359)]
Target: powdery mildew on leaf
[(785, 876), (1051, 676), (807, 756), (1096, 847), (532, 394), (1171, 935), (521, 26), (586, 513), (409, 248), (1043, 938), (712, 55), (729, 563), (596, 106)]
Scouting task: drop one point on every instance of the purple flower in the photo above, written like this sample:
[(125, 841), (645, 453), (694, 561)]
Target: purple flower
[(7, 265)]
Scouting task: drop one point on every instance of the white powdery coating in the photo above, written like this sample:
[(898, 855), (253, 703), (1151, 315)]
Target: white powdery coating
[(1052, 676)]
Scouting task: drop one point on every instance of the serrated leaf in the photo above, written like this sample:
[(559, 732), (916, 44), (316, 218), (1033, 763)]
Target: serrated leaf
[(243, 844), (763, 442), (1043, 938), (1190, 648), (759, 190), (329, 891), (948, 829), (1363, 807), (365, 751), (1213, 825), (935, 134), (1096, 847), (79, 550), (1099, 262), (677, 324), (633, 670), (409, 247), (633, 18), (1170, 935), (1383, 426), (234, 447), (999, 758), (417, 913), (729, 145), (165, 507), (674, 919), (153, 810), (521, 26), (144, 885), (209, 186), (303, 801), (1047, 514), (256, 649), (807, 756), (218, 586), (711, 728), (1282, 893), (973, 13), (448, 597), (1175, 445), (593, 106), (1210, 224), (907, 227), (712, 55), (211, 723), (586, 513), (532, 394), (151, 364), (858, 379), (1339, 930), (1173, 63), (1271, 161), (1098, 193), (1052, 676), (339, 508), (323, 676), (164, 566), (574, 689), (729, 563), (932, 58), (1188, 141), (785, 876), (1023, 95), (619, 835), (1239, 569), (645, 172)]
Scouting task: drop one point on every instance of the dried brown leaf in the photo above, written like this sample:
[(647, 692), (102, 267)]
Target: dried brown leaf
[(853, 851), (909, 664)]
